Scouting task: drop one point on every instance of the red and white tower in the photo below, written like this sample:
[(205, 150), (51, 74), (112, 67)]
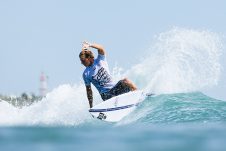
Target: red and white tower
[(43, 85)]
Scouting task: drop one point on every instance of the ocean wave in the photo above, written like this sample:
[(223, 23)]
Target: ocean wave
[(178, 63), (178, 108)]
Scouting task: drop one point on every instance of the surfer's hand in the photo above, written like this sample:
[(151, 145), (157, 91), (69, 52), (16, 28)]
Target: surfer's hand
[(85, 45)]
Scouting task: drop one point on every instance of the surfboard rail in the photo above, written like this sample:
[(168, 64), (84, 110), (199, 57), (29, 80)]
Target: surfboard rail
[(113, 109)]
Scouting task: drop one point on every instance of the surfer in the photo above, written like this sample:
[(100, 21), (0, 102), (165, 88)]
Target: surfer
[(97, 73)]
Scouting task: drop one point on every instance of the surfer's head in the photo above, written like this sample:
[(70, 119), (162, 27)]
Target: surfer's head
[(86, 57)]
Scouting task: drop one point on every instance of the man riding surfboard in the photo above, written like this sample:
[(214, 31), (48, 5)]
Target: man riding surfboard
[(97, 73)]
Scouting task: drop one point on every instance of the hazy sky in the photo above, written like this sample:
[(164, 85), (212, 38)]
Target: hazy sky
[(46, 35)]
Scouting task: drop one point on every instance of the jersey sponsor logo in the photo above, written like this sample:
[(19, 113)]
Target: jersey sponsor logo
[(102, 77)]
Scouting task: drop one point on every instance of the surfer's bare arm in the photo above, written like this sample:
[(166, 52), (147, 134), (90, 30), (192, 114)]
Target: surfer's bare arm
[(89, 95), (99, 48)]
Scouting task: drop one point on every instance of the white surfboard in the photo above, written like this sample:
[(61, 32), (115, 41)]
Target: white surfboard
[(116, 108)]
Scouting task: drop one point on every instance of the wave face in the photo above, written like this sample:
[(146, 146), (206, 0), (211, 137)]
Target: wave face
[(178, 65), (179, 108)]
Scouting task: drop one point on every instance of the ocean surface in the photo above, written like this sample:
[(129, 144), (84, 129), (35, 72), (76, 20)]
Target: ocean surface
[(180, 117), (183, 122)]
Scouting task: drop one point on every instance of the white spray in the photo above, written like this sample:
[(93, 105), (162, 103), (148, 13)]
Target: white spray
[(65, 105), (181, 60)]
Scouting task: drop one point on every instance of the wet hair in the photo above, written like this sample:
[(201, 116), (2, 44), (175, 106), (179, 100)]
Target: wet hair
[(86, 54)]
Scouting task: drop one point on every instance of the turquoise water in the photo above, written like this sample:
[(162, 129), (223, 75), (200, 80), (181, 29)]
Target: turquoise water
[(149, 137), (183, 122), (181, 108)]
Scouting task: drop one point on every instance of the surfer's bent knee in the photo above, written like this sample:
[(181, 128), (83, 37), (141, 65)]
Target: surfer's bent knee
[(129, 83)]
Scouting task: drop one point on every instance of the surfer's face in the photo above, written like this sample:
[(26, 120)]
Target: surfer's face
[(86, 61)]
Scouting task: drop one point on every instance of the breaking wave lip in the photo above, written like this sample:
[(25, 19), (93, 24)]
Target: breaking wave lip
[(180, 60)]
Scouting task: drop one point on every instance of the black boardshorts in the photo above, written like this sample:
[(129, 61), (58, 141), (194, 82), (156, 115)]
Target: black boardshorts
[(119, 88)]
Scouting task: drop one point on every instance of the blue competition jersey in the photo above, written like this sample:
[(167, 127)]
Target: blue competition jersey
[(98, 74)]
